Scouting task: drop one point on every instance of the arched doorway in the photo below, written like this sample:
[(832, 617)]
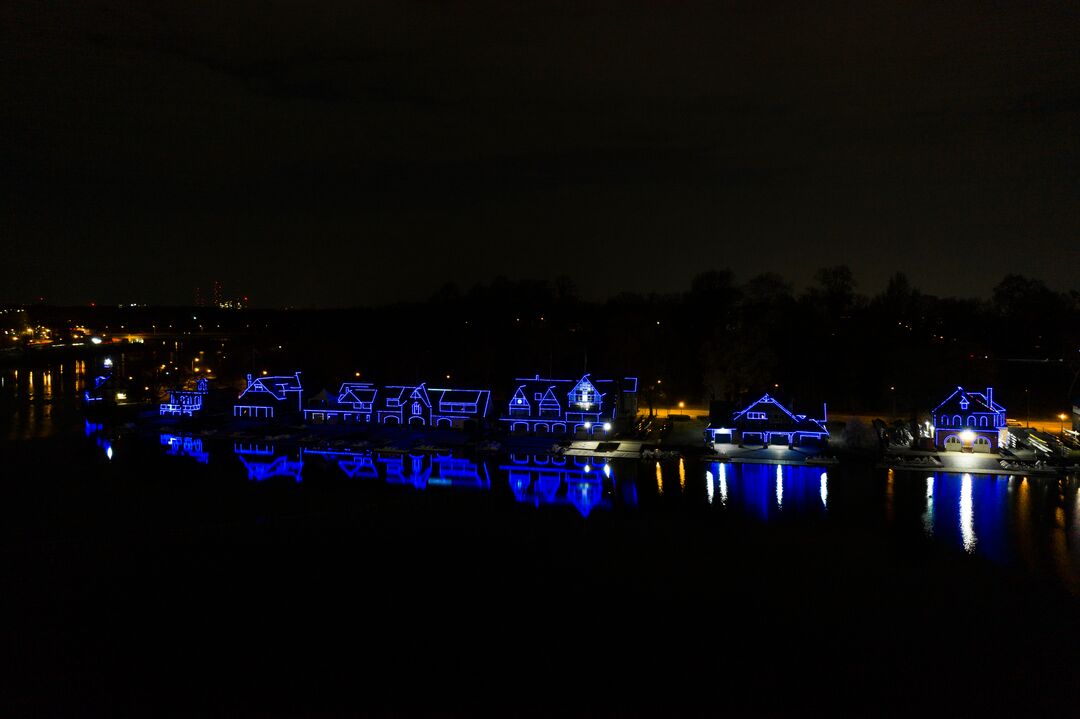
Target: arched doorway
[(953, 444)]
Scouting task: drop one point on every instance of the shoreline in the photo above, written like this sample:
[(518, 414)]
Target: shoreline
[(347, 440)]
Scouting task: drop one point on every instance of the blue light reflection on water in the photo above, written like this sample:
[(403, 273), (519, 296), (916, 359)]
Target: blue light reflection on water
[(1006, 519), (543, 480), (969, 512), (769, 491)]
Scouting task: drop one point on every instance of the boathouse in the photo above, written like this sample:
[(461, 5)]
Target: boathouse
[(270, 397), (539, 405), (420, 406), (969, 421), (766, 421), (185, 402), (353, 404)]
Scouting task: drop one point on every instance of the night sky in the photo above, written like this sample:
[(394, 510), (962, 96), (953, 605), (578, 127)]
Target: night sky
[(343, 153)]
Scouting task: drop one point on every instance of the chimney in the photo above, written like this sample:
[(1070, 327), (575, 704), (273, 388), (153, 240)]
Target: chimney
[(990, 397), (249, 378)]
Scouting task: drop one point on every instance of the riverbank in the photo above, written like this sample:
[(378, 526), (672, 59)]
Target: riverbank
[(684, 438)]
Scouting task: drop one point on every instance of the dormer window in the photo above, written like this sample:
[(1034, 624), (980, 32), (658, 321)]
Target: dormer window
[(755, 415), (964, 403)]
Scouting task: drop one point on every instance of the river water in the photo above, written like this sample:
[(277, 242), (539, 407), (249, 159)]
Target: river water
[(945, 571)]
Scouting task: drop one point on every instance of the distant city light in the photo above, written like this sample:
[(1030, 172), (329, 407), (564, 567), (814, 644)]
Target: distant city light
[(96, 340)]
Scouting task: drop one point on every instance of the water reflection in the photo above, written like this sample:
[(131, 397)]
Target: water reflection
[(96, 431), (262, 462), (890, 494), (1034, 522), (967, 515), (779, 486), (181, 446), (928, 513), (765, 490), (544, 480), (419, 470), (358, 466)]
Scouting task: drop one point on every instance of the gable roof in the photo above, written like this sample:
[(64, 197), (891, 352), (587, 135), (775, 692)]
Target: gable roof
[(800, 422), (464, 396), (765, 399), (978, 402), (419, 392), (275, 386), (405, 393), (519, 398), (586, 380), (548, 399), (356, 392)]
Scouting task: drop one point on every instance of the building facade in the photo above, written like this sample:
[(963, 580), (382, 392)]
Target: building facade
[(418, 406), (354, 404), (185, 403), (766, 421), (415, 406), (554, 406), (270, 397), (969, 421)]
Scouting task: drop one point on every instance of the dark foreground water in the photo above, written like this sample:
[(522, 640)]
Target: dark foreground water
[(168, 574)]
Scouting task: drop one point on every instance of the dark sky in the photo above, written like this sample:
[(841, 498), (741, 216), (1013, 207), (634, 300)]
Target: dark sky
[(340, 153)]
